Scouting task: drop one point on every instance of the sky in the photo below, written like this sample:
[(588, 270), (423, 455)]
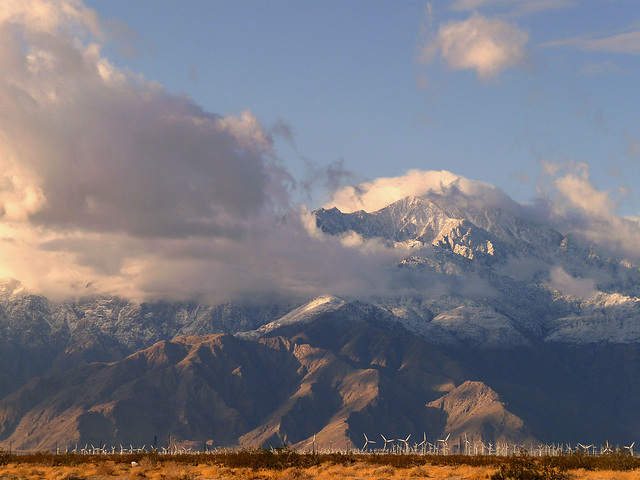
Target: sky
[(146, 147), (487, 89)]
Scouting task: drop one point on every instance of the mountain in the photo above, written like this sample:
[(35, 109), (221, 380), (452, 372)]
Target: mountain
[(502, 273), (474, 408), (221, 389), (40, 335), (497, 327), (444, 222)]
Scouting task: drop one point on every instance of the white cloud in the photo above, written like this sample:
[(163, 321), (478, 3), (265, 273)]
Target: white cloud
[(487, 45), (581, 194), (270, 264), (39, 16), (524, 269), (626, 43)]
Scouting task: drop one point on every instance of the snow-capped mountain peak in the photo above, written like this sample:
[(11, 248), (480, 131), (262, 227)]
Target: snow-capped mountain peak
[(305, 313)]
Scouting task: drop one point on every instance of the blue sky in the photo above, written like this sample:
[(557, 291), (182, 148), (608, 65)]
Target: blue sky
[(347, 78)]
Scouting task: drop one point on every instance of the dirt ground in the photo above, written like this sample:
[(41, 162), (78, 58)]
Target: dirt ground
[(358, 471)]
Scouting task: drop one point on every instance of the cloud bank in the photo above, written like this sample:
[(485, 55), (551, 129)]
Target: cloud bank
[(110, 184), (86, 146)]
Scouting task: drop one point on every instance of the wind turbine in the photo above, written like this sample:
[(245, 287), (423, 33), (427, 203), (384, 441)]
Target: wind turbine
[(367, 442), (630, 448), (406, 443), (585, 448), (444, 443), (313, 444), (384, 449), (423, 443)]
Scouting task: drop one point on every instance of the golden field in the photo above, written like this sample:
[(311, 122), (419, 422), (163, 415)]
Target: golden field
[(361, 471), (354, 467)]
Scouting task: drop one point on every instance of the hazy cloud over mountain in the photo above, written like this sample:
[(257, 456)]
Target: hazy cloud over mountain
[(577, 205), (376, 194)]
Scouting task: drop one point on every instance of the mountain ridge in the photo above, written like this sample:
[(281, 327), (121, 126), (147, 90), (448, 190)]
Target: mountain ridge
[(490, 312)]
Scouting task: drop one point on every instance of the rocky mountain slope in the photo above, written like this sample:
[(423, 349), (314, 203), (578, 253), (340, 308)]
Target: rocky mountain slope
[(499, 327)]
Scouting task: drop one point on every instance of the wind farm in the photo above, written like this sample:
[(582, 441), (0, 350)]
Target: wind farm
[(466, 460), (402, 446)]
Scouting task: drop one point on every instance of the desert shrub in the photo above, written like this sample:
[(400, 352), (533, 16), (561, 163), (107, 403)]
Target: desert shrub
[(521, 467), (5, 457), (106, 469), (294, 473), (525, 468), (414, 460), (279, 459)]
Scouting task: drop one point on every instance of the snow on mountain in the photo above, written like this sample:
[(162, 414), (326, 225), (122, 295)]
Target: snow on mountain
[(508, 278), (303, 314), (611, 318), (465, 239), (11, 289), (480, 325), (428, 217), (407, 219)]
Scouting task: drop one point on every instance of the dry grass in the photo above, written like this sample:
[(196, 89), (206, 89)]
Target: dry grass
[(259, 465), (172, 471), (356, 471)]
